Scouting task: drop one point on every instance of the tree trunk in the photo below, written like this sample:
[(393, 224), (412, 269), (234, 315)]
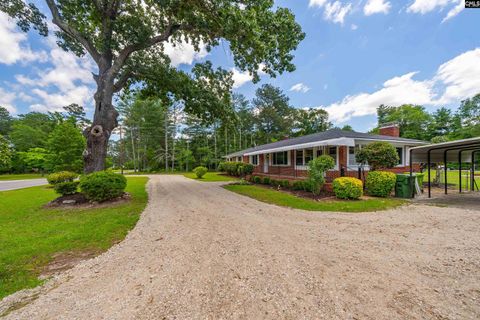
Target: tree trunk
[(104, 121)]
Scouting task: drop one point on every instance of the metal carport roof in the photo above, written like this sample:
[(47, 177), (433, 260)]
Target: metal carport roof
[(453, 151)]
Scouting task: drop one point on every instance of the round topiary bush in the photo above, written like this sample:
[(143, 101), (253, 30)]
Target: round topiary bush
[(200, 172), (103, 185), (348, 188), (380, 183), (62, 176)]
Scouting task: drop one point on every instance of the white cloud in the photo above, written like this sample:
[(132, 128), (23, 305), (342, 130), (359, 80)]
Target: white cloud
[(336, 11), (461, 77), (6, 99), (333, 11), (300, 87), (454, 80), (454, 11), (426, 6), (184, 53), (242, 77), (354, 26), (317, 3), (67, 79), (376, 6), (13, 48)]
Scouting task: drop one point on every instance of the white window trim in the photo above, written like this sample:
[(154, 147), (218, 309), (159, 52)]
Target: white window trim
[(324, 148), (250, 160), (405, 157), (280, 165)]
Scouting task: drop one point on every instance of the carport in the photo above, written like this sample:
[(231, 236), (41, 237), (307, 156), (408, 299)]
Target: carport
[(461, 151)]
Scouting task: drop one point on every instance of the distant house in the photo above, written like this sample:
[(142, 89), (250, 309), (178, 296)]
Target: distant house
[(288, 159)]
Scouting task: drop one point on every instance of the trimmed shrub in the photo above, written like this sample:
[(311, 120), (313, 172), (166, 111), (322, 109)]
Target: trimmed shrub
[(285, 184), (257, 179), (103, 185), (298, 185), (266, 180), (66, 188), (200, 172), (378, 155), (316, 172), (62, 176), (236, 168), (380, 183), (275, 183), (348, 188)]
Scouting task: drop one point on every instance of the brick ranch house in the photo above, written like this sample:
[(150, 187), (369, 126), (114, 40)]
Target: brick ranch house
[(288, 159)]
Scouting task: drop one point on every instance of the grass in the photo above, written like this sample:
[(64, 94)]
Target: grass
[(452, 176), (30, 235), (210, 177), (288, 200), (5, 177)]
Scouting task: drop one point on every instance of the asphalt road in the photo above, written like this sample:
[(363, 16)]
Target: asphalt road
[(20, 184)]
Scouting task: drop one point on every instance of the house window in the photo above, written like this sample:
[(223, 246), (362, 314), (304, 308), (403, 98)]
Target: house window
[(400, 155), (332, 152), (254, 160), (308, 156), (320, 152), (299, 158), (280, 158), (239, 159), (352, 161)]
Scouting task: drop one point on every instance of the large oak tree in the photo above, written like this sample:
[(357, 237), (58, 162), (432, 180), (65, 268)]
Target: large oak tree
[(126, 38)]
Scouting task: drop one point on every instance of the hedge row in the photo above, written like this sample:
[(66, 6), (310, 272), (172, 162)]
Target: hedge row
[(236, 168), (287, 184)]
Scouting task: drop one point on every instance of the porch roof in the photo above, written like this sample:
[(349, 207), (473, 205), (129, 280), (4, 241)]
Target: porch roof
[(334, 137)]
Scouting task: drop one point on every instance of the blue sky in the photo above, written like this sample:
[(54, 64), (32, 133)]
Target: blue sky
[(356, 55)]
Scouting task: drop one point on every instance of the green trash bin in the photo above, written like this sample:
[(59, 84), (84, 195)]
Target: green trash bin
[(404, 186), (420, 177)]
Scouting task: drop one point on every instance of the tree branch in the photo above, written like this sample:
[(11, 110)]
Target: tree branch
[(122, 80), (128, 50), (57, 20)]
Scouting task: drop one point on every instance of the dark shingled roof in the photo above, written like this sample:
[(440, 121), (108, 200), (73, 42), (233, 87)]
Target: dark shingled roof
[(326, 135)]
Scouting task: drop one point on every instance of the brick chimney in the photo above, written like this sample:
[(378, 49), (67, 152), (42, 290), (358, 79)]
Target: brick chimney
[(390, 129)]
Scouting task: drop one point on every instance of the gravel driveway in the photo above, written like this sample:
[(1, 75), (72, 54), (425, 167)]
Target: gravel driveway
[(201, 252)]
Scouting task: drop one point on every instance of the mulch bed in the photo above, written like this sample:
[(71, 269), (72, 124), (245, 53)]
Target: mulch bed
[(301, 193), (82, 202)]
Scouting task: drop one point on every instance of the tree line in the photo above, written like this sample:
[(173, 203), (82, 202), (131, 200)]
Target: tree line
[(159, 135)]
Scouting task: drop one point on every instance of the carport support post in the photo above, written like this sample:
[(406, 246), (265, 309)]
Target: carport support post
[(460, 171), (472, 182), (411, 171), (445, 168), (428, 168)]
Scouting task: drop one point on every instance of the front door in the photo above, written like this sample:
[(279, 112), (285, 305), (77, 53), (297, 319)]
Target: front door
[(266, 161)]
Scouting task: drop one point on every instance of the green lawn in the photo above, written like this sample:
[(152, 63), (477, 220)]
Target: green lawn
[(30, 235), (24, 176), (210, 177), (288, 200), (452, 176)]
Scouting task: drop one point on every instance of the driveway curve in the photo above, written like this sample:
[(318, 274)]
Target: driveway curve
[(202, 252)]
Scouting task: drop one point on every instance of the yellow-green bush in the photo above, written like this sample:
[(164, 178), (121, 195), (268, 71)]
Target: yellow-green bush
[(348, 188), (200, 172), (380, 183), (62, 176)]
